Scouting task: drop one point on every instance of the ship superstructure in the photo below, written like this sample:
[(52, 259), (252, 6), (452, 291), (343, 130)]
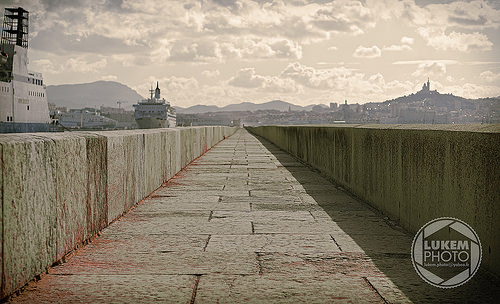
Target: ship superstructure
[(155, 112), (85, 119), (23, 98)]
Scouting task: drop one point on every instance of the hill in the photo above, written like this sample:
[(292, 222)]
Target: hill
[(94, 94), (278, 105)]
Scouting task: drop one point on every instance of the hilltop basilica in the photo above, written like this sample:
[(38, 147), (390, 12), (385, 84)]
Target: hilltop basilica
[(426, 88)]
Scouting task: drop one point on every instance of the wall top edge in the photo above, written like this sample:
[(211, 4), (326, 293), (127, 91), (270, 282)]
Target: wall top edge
[(41, 136), (481, 128)]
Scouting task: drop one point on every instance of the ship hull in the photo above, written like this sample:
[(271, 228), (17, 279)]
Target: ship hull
[(151, 123), (17, 127)]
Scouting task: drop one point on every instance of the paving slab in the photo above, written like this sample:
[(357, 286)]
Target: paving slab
[(109, 289), (248, 223)]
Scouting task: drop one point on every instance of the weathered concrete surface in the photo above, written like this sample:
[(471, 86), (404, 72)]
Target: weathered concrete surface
[(29, 209), (60, 189), (97, 207), (412, 173), (248, 223)]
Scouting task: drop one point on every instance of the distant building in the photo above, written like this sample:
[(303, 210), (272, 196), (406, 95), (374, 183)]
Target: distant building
[(426, 88), (333, 106)]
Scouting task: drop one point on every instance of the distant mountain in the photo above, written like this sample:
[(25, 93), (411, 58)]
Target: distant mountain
[(197, 109), (245, 106), (95, 94)]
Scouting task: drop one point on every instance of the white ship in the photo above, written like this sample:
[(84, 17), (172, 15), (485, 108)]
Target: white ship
[(85, 119), (155, 112), (23, 98)]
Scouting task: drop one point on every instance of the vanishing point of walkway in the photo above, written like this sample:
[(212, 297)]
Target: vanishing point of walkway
[(245, 223)]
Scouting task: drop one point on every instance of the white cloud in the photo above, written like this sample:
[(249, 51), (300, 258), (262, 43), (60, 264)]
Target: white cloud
[(261, 49), (404, 46), (189, 51), (397, 48), (489, 76), (407, 40), (297, 75), (450, 26), (109, 77), (443, 61), (430, 69), (43, 65), (248, 78), (333, 48), (471, 90), (399, 87), (81, 64), (316, 78), (464, 42), (471, 15), (367, 52), (211, 73), (207, 50), (345, 16)]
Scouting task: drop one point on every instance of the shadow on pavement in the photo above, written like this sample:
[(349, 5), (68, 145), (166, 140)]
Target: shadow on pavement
[(383, 241)]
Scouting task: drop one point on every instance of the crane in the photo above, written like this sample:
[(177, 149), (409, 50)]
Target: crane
[(120, 103)]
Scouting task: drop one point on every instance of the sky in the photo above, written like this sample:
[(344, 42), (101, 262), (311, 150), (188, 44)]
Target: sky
[(218, 52)]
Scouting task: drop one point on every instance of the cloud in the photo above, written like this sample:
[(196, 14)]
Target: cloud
[(109, 77), (262, 49), (430, 69), (339, 78), (211, 73), (464, 42), (446, 26), (80, 64), (407, 40), (472, 15), (189, 51), (205, 50), (397, 48), (315, 78), (489, 76), (367, 52), (297, 78), (443, 61), (249, 79), (404, 46), (471, 90), (333, 48)]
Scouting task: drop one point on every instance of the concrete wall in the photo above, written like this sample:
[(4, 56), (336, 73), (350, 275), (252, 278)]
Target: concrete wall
[(60, 189), (412, 173)]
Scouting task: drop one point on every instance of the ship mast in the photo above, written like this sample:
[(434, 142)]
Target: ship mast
[(15, 27)]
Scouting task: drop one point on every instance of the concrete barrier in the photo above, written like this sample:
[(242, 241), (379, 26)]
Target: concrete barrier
[(60, 189), (412, 173)]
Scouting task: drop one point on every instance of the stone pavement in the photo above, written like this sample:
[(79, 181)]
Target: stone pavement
[(245, 223)]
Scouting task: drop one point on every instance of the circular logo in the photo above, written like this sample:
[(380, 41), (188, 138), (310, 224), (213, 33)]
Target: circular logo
[(446, 252)]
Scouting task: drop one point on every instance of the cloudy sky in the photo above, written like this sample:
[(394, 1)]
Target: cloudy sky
[(223, 51)]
